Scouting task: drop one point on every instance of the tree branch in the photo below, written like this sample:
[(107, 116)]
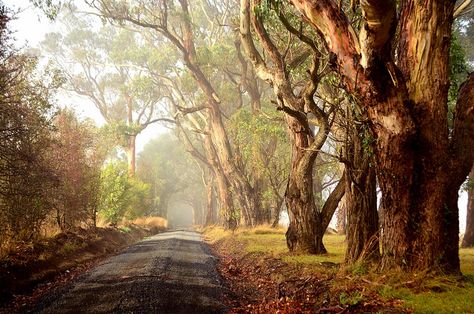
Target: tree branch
[(377, 31), (332, 202)]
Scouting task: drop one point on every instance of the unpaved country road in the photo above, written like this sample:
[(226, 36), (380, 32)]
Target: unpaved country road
[(172, 272)]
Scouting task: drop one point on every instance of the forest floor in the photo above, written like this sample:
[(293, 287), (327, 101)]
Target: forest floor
[(265, 278), (33, 269)]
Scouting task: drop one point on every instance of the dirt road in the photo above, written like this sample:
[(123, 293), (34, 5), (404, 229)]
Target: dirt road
[(173, 272)]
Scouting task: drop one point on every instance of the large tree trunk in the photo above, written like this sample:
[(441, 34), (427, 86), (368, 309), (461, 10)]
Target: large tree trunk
[(362, 217), (361, 196), (243, 190), (420, 167), (211, 214), (342, 216), (223, 186), (308, 222), (304, 233), (226, 202), (468, 240)]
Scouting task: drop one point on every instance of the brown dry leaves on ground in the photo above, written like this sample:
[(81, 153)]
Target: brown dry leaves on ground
[(260, 283)]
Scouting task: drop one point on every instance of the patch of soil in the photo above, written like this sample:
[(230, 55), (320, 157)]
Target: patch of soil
[(260, 283), (33, 269)]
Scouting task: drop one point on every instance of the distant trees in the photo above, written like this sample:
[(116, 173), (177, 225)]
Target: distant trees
[(172, 175), (160, 21), (260, 147), (108, 67), (51, 161)]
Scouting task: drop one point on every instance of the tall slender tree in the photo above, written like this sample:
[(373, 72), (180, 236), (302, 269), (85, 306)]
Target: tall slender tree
[(298, 101), (105, 66)]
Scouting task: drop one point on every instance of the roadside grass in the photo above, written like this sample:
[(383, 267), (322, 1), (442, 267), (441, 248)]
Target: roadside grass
[(153, 223), (420, 292)]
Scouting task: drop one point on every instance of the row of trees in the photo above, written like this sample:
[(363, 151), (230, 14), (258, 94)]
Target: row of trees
[(361, 99), (56, 170), (353, 83)]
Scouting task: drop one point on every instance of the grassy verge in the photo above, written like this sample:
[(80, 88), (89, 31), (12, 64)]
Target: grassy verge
[(420, 293)]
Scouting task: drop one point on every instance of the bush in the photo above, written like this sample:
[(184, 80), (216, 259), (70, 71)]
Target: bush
[(121, 197)]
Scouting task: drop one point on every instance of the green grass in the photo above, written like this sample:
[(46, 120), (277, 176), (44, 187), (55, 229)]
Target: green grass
[(438, 295), (275, 244), (454, 296), (125, 229), (455, 299), (467, 261)]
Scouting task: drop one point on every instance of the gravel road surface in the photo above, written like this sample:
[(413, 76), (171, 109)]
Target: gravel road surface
[(172, 272)]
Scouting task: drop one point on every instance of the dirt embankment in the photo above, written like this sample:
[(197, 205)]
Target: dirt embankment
[(33, 269)]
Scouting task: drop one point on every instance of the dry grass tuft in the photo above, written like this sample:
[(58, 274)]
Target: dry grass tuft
[(154, 223)]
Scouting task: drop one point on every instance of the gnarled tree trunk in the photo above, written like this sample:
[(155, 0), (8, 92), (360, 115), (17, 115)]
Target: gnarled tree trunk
[(308, 221), (361, 197), (420, 167)]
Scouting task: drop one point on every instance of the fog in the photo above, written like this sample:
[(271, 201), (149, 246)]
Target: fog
[(180, 215)]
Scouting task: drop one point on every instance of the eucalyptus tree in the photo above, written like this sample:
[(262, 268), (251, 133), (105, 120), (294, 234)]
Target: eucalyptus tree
[(293, 64), (194, 31), (397, 66), (104, 64), (260, 140), (193, 132)]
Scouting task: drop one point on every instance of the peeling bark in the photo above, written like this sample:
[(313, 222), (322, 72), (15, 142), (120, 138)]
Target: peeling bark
[(419, 166)]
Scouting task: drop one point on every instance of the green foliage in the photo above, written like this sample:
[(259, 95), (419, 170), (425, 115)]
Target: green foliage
[(121, 196), (458, 69), (265, 7), (49, 7), (261, 145), (105, 64), (468, 185), (113, 192)]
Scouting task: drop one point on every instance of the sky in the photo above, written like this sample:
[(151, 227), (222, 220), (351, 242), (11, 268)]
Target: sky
[(31, 25)]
